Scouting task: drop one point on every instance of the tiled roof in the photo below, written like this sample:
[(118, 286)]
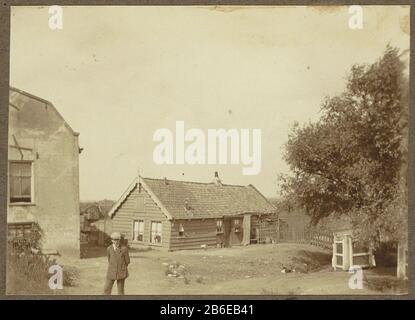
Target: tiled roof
[(187, 200), (207, 200)]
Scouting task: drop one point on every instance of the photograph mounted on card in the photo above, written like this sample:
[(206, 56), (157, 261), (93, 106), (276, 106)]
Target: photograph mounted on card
[(208, 150)]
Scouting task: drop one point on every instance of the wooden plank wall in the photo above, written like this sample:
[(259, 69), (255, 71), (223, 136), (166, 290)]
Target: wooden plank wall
[(197, 232), (140, 206)]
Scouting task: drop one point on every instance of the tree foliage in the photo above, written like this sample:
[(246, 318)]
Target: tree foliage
[(353, 160)]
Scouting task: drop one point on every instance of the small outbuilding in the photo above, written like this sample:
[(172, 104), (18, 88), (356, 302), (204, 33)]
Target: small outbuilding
[(348, 253)]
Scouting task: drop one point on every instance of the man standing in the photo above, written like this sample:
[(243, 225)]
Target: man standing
[(118, 260)]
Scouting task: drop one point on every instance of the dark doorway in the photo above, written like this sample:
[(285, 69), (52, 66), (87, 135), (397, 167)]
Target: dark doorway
[(233, 231)]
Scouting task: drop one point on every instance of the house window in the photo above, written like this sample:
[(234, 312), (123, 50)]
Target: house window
[(219, 226), (138, 230), (20, 182), (155, 232), (181, 230)]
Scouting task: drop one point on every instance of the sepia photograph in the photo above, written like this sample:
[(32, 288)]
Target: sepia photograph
[(208, 150)]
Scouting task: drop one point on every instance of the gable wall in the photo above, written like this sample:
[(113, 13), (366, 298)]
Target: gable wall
[(140, 206), (55, 172), (197, 232)]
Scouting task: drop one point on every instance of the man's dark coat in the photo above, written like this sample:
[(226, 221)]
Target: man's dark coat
[(118, 260)]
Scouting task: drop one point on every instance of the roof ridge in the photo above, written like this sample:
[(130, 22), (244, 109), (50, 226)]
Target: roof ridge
[(196, 182)]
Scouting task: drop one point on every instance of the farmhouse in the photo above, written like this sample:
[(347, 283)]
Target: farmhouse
[(176, 215), (43, 182)]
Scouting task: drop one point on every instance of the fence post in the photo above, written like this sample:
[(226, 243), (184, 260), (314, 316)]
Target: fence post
[(278, 231)]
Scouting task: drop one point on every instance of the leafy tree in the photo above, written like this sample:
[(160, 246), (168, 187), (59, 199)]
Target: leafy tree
[(353, 160)]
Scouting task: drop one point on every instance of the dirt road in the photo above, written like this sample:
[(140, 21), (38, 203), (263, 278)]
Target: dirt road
[(252, 270)]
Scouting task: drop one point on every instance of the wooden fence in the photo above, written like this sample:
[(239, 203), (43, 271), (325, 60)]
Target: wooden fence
[(267, 232), (294, 236), (322, 239)]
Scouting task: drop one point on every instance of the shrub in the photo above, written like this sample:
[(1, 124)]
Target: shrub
[(70, 276), (386, 254), (27, 272), (28, 267)]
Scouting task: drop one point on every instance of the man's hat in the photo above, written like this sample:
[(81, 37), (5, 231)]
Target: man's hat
[(116, 236)]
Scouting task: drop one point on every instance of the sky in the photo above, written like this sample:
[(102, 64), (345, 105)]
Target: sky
[(117, 74)]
